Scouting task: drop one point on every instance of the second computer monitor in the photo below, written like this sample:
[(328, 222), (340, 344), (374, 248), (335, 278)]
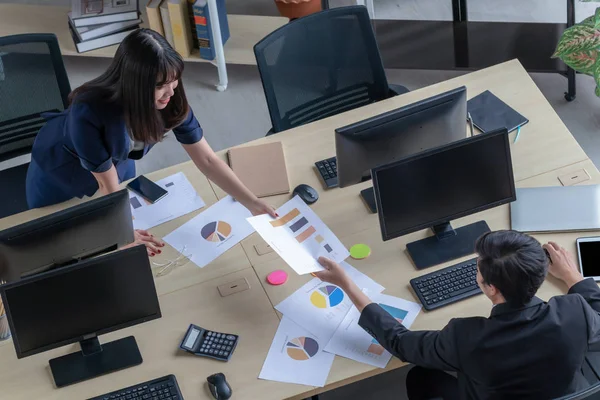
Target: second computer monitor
[(64, 237), (78, 303), (382, 139), (439, 185)]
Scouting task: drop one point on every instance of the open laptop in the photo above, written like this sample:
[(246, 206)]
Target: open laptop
[(557, 208)]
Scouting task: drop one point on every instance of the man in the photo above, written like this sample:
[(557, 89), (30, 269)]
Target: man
[(526, 348)]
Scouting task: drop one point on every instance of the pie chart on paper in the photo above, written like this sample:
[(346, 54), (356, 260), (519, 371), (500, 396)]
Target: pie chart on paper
[(327, 296), (217, 231), (302, 348)]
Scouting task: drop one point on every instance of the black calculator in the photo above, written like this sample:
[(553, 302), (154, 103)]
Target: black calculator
[(205, 343)]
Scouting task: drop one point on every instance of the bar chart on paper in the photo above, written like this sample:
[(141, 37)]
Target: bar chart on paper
[(399, 315), (352, 341), (299, 236)]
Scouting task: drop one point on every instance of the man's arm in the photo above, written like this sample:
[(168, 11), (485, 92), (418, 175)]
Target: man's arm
[(430, 349), (589, 290), (563, 267)]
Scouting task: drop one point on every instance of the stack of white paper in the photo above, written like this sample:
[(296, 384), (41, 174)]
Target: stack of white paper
[(213, 232), (351, 341), (296, 356), (299, 237), (182, 199)]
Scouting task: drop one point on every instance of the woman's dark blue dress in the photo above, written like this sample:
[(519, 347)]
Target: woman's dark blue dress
[(87, 137)]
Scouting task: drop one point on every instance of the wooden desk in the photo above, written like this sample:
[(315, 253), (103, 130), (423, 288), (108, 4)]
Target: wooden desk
[(545, 151), (545, 144), (159, 344), (245, 32)]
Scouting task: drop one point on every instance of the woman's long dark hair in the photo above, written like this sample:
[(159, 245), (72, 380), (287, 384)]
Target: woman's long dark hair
[(143, 61)]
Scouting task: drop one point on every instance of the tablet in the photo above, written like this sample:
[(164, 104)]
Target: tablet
[(588, 251)]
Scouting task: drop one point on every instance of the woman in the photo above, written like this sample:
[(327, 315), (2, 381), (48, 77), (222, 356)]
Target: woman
[(116, 119)]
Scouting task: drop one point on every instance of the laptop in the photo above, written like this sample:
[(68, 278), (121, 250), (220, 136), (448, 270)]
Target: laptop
[(556, 209)]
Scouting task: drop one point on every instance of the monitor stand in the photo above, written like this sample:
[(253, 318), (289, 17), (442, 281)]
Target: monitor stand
[(368, 196), (447, 244), (94, 360)]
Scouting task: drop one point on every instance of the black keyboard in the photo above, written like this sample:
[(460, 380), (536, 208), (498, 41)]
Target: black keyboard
[(164, 388), (328, 170), (447, 285)]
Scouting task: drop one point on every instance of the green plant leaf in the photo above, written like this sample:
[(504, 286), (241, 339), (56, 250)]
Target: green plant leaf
[(583, 61), (589, 21), (597, 18), (597, 77), (576, 39)]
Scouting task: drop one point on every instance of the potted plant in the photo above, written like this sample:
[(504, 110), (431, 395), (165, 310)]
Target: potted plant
[(293, 9), (579, 47)]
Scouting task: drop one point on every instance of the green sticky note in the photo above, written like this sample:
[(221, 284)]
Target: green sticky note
[(360, 251)]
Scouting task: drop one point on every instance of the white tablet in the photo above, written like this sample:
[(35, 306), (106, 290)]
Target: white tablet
[(588, 252)]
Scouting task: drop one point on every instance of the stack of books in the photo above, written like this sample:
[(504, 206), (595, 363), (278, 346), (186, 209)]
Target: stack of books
[(186, 24), (99, 23)]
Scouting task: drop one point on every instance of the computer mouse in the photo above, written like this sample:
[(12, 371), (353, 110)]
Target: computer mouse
[(306, 193), (218, 386)]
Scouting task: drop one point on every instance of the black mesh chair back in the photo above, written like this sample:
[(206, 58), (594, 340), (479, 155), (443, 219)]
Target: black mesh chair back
[(33, 80), (320, 65)]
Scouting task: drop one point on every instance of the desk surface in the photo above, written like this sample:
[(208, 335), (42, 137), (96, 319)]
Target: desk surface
[(246, 30), (545, 151)]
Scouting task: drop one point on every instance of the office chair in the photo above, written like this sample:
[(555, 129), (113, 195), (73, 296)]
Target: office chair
[(321, 65), (33, 80), (583, 394)]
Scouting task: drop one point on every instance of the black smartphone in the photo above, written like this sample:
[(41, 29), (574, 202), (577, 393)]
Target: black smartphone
[(147, 189)]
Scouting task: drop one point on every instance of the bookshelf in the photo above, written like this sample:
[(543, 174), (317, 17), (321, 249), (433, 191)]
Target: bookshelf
[(246, 31)]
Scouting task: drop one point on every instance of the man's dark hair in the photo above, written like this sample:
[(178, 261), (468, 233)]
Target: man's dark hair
[(515, 263)]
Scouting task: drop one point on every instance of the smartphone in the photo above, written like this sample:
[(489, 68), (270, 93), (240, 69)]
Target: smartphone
[(588, 253), (147, 189)]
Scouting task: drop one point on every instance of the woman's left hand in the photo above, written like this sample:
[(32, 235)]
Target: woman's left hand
[(259, 207)]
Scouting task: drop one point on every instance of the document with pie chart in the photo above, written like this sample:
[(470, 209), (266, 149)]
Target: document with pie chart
[(213, 232), (296, 356), (299, 236), (320, 307), (352, 341)]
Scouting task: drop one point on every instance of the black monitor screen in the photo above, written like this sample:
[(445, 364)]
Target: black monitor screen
[(96, 296), (444, 183)]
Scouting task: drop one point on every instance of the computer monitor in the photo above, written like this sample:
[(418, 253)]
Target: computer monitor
[(382, 139), (78, 303), (64, 237), (436, 186)]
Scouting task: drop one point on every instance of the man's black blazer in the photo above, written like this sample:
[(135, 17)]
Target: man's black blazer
[(535, 351)]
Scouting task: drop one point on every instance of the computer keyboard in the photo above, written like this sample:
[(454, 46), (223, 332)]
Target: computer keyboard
[(164, 388), (328, 170), (447, 285)]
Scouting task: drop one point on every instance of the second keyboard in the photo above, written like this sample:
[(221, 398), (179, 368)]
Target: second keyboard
[(447, 285)]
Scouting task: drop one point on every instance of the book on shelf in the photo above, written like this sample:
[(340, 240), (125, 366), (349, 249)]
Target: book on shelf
[(154, 18), (98, 43), (166, 21), (95, 31), (190, 4), (95, 12), (180, 25), (202, 18)]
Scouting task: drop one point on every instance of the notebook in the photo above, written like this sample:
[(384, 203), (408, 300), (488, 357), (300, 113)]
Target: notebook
[(261, 168), (490, 113)]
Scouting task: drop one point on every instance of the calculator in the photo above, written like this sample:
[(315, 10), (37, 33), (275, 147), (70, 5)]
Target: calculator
[(205, 343)]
